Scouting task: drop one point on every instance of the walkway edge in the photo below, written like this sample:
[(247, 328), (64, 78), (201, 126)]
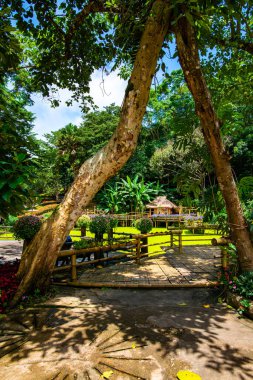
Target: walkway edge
[(77, 284)]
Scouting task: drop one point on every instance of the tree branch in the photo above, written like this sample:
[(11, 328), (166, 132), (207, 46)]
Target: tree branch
[(58, 28), (91, 7), (241, 44)]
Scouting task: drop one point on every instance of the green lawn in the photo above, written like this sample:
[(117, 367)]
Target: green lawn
[(188, 237)]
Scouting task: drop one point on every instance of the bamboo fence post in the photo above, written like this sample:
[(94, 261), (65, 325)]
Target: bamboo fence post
[(138, 251), (180, 242), (224, 258), (171, 239), (73, 268)]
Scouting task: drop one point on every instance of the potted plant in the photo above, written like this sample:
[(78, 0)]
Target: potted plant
[(26, 228)]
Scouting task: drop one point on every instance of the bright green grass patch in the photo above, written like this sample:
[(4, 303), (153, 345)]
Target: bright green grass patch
[(157, 242), (6, 236)]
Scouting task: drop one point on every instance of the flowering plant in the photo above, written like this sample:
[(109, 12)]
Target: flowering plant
[(26, 227), (8, 282), (144, 225)]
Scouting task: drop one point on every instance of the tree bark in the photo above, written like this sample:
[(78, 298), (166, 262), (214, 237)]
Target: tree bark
[(190, 63), (39, 258)]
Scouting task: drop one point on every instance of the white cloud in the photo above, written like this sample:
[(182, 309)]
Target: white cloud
[(107, 89), (50, 119)]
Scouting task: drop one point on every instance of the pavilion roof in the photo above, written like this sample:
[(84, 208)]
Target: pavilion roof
[(161, 201)]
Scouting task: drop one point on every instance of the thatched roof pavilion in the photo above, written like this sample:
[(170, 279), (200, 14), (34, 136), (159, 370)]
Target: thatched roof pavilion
[(161, 205)]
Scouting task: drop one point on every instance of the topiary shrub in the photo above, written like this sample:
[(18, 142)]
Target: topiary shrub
[(26, 227), (144, 225), (102, 224), (111, 223), (98, 226), (83, 222)]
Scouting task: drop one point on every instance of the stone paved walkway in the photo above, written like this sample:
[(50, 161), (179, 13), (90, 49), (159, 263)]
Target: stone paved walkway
[(10, 250), (195, 266)]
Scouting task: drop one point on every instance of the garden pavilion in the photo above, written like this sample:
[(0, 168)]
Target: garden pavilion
[(162, 206)]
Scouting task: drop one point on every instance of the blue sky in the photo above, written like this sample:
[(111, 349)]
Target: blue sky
[(48, 119)]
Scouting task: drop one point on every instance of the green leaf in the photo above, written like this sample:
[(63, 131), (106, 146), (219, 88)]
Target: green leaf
[(21, 156), (16, 182), (2, 183), (6, 196)]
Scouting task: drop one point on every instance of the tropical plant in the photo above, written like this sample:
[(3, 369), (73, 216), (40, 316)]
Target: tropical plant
[(10, 220), (26, 227), (128, 195), (110, 199), (243, 285)]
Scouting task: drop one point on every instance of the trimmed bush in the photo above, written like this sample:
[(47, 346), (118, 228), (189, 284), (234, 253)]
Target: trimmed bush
[(83, 221), (98, 225), (144, 225), (26, 227), (83, 244)]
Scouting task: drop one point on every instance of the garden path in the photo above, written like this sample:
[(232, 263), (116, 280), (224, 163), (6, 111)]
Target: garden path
[(196, 266), (126, 334)]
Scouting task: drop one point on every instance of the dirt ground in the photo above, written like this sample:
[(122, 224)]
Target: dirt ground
[(125, 334), (136, 334)]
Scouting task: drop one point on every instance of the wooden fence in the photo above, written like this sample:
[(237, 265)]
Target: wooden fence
[(134, 248)]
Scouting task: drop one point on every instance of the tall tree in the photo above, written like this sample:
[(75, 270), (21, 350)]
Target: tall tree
[(58, 39), (16, 122), (35, 266), (190, 62)]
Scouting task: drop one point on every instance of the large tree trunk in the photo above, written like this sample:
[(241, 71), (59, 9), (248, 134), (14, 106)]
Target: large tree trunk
[(190, 62), (39, 258)]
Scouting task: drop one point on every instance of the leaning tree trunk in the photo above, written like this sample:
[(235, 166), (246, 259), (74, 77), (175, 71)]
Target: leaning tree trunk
[(39, 258), (190, 62)]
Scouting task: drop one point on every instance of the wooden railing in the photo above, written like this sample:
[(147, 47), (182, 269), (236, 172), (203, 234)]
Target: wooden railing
[(135, 249)]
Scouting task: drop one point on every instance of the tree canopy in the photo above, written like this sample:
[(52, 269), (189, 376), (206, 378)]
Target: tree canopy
[(69, 39)]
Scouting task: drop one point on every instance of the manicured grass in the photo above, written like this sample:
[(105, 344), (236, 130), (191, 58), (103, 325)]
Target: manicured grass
[(188, 238), (6, 236)]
